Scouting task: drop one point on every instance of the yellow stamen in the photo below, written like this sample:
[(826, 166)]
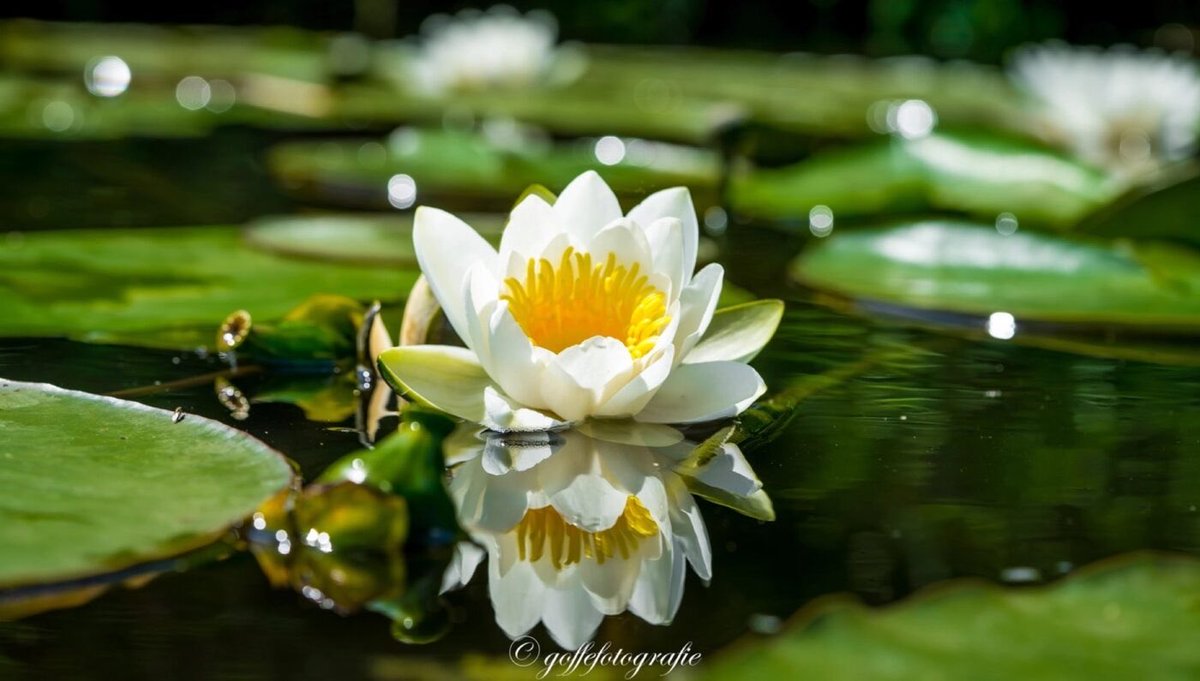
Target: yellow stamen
[(544, 532), (560, 305)]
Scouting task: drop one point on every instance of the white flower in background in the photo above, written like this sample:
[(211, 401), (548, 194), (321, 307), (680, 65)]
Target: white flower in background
[(575, 528), (582, 312), (477, 50), (1122, 109)]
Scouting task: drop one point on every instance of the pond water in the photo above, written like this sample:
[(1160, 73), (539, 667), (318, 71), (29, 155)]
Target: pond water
[(942, 454)]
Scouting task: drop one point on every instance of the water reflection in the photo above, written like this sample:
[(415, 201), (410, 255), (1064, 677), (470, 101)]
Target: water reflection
[(342, 546), (576, 526)]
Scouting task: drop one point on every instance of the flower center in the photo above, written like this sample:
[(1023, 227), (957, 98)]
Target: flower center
[(544, 532), (562, 305)]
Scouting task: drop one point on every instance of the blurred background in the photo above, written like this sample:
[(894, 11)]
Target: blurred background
[(981, 30)]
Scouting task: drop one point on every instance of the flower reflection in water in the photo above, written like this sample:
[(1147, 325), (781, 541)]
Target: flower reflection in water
[(578, 525)]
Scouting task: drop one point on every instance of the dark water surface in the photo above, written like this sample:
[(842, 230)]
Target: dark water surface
[(945, 455)]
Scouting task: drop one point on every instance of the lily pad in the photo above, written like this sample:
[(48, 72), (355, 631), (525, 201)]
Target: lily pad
[(688, 94), (1165, 208), (469, 168), (974, 175), (164, 287), (165, 53), (374, 239), (95, 484), (974, 269), (1135, 619)]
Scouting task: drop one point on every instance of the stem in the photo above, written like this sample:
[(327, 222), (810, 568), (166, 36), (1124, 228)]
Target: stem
[(187, 382)]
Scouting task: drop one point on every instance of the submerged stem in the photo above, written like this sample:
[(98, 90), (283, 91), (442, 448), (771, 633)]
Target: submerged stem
[(188, 382)]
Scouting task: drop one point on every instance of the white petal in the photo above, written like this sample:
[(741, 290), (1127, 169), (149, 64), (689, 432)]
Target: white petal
[(665, 236), (504, 350), (441, 376), (675, 202), (697, 303), (586, 206), (694, 393), (659, 588), (446, 248), (626, 241), (637, 393), (480, 294), (517, 364), (490, 503), (738, 333), (502, 415), (589, 502), (518, 596), (689, 529), (611, 583), (586, 375), (570, 617), (530, 226), (467, 557)]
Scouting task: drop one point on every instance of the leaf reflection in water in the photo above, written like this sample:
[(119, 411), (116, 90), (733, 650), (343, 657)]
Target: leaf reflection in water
[(578, 525)]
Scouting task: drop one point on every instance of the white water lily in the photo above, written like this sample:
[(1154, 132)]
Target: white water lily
[(575, 528), (475, 50), (1120, 108), (582, 312)]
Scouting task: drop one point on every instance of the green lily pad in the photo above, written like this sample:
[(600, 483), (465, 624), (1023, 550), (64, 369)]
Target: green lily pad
[(469, 169), (164, 287), (807, 93), (974, 175), (1164, 208), (95, 484), (165, 53), (688, 94), (974, 269), (1135, 619), (374, 239)]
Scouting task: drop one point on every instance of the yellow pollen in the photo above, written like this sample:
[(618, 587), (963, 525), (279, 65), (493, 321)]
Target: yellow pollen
[(543, 532), (561, 305)]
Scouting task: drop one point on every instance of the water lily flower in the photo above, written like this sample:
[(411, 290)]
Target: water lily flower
[(575, 528), (583, 312), (1122, 109), (475, 50)]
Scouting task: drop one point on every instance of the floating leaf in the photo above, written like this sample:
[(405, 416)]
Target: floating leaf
[(687, 94), (1126, 620), (370, 239), (974, 269), (163, 287), (95, 484), (467, 168), (1165, 208), (976, 175), (313, 336), (165, 52)]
